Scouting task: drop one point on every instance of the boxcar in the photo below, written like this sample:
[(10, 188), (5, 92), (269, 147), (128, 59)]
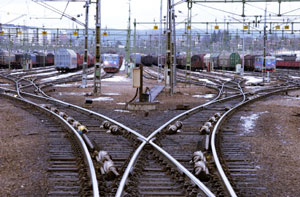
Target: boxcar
[(181, 61), (65, 60), (49, 59), (224, 60), (197, 62), (214, 58)]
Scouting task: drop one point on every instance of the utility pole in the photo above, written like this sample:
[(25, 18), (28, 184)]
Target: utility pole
[(265, 38), (97, 72), (9, 48), (159, 60), (84, 83), (134, 43), (243, 63), (188, 42), (127, 48), (173, 71), (169, 50)]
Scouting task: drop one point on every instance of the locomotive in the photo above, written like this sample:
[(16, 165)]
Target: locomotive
[(111, 63)]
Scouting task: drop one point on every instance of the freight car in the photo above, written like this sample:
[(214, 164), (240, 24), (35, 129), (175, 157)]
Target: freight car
[(6, 58), (197, 62), (111, 62), (49, 59), (214, 58), (66, 60), (147, 60), (181, 61), (228, 61), (287, 64)]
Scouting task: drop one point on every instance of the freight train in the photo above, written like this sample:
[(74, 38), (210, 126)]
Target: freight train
[(15, 59)]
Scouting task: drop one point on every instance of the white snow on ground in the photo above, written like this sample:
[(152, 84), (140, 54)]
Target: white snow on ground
[(112, 94), (44, 70), (117, 79), (292, 97), (42, 74), (249, 121), (204, 96), (121, 110), (251, 79), (67, 85), (121, 103), (293, 77), (17, 73), (72, 93), (103, 99), (60, 76), (5, 84), (216, 77), (207, 81), (91, 76)]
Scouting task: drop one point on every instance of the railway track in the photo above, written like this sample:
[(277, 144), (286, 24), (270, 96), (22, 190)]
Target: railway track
[(157, 165)]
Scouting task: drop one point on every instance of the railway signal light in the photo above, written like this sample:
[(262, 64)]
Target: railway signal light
[(246, 27), (155, 27), (75, 33), (44, 33), (188, 27), (286, 27), (217, 27)]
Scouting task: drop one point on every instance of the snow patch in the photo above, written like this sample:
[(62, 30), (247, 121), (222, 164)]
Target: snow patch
[(207, 81), (60, 76), (121, 110), (117, 79), (112, 94), (67, 85), (103, 99), (251, 79), (121, 103), (71, 93), (249, 121), (293, 77), (42, 74), (204, 96)]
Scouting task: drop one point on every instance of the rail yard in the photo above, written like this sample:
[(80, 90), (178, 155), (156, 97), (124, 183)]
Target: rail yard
[(167, 108)]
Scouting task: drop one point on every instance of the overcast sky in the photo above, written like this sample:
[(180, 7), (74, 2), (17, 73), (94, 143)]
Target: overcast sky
[(115, 12)]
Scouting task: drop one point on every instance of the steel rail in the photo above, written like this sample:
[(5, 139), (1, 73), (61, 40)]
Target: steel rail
[(182, 169), (213, 139), (87, 155), (139, 149), (80, 108)]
